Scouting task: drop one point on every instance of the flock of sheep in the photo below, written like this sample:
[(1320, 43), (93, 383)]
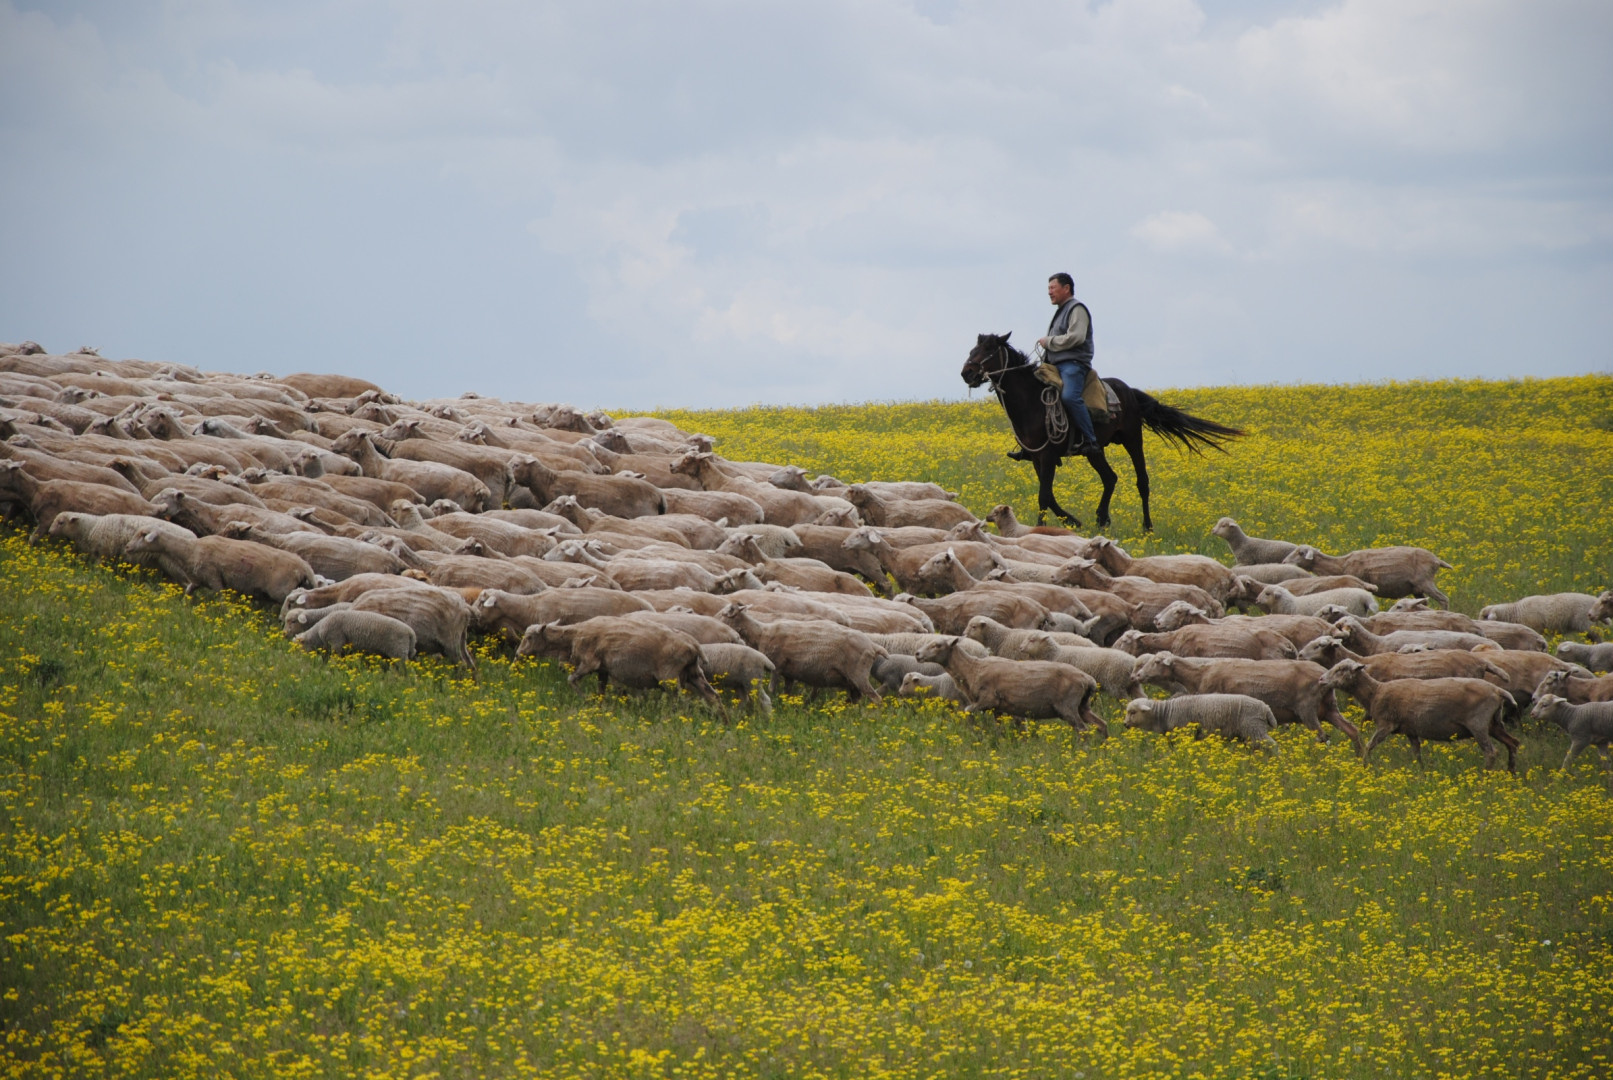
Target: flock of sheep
[(632, 551)]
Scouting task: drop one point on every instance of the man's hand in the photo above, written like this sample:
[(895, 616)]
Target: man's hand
[(1042, 342)]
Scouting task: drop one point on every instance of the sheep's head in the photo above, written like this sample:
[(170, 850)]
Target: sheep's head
[(1001, 514), (1268, 596), (1160, 665), (733, 614), (1304, 557), (736, 580), (143, 542), (67, 523), (1080, 572), (170, 501), (1127, 642), (690, 463), (968, 531), (1550, 706), (1141, 715), (1343, 675), (1179, 613), (543, 639), (938, 651), (790, 478), (743, 546), (1317, 650), (1225, 528), (403, 429)]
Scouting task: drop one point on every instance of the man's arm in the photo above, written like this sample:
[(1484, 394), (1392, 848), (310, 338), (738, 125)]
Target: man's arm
[(1074, 335)]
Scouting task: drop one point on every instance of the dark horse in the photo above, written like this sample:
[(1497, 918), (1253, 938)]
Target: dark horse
[(1013, 380)]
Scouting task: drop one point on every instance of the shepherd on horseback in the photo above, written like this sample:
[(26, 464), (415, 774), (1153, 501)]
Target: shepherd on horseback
[(1068, 347), (1046, 422)]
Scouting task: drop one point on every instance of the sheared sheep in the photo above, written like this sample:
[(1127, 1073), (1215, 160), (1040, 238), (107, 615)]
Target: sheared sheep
[(1589, 724), (818, 654), (1199, 570), (887, 512), (508, 613), (1434, 709), (1151, 597), (889, 671), (438, 617), (365, 631), (1396, 571), (1231, 716), (107, 536), (1355, 633), (742, 668), (1251, 550), (333, 557), (1240, 640), (46, 499), (636, 654), (951, 614), (1110, 667), (216, 562), (1019, 689)]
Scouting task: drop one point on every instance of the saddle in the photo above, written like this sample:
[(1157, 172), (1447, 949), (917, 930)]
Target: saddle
[(1101, 400)]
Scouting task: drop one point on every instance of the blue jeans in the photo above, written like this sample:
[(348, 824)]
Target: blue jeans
[(1074, 373)]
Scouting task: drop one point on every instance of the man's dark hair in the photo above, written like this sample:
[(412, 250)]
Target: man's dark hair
[(1063, 279)]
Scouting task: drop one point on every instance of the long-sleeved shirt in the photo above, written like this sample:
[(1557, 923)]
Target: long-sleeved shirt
[(1069, 335)]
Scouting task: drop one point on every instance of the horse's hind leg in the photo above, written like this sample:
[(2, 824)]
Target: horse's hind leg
[(1139, 464), (1047, 466), (1106, 473)]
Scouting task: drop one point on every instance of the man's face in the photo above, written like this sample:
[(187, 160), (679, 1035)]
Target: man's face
[(1057, 292)]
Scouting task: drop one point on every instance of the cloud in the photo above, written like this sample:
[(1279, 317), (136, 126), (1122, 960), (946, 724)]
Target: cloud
[(823, 202)]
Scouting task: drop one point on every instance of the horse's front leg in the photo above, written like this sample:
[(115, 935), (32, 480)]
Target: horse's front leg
[(1106, 473), (1047, 466)]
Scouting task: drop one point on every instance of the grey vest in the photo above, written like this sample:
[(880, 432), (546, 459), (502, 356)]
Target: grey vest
[(1061, 324)]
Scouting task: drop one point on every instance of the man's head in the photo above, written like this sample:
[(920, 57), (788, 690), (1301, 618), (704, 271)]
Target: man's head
[(1060, 287)]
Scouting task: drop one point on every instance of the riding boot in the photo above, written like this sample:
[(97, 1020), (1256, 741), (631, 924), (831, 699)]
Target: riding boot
[(1020, 455)]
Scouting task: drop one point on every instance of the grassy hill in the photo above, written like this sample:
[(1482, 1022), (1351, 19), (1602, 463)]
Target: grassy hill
[(221, 856)]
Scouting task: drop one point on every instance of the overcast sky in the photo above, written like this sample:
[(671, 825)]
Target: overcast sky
[(716, 202)]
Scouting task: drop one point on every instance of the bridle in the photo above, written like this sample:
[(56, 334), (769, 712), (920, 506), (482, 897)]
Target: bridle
[(1057, 422)]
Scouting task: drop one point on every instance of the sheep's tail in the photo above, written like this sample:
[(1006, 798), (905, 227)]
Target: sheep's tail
[(1189, 432)]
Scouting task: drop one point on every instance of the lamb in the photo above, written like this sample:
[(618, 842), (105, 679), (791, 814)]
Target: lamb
[(818, 653), (217, 562), (1602, 610), (297, 620), (1435, 709), (775, 541), (1245, 641), (619, 496), (508, 613), (1588, 724), (1020, 689), (1251, 550), (1151, 597), (1279, 601), (438, 617), (1511, 635), (1554, 613), (1231, 716), (333, 557), (636, 654), (1199, 570), (889, 671), (1291, 688), (1396, 571), (894, 513), (742, 668), (1598, 657), (1578, 690), (1110, 667), (365, 631), (1008, 641), (918, 684), (47, 499), (107, 536)]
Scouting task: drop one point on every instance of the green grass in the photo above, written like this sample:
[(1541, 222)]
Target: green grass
[(221, 856)]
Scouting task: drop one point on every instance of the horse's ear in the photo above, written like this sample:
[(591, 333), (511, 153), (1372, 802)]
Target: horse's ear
[(1007, 336)]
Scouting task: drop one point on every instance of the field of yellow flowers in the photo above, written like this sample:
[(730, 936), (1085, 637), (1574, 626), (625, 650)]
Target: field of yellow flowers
[(222, 857)]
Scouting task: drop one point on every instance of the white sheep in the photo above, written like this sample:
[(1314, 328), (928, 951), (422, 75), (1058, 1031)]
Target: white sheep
[(1279, 601), (1598, 657), (365, 631), (1552, 613), (1231, 716)]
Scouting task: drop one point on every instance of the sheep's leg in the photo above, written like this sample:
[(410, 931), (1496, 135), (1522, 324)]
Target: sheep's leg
[(759, 697), (1379, 734), (1416, 750), (1511, 744), (1487, 745), (1431, 590), (1574, 749), (1332, 715)]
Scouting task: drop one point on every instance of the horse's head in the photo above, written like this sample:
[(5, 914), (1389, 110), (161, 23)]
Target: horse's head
[(990, 356)]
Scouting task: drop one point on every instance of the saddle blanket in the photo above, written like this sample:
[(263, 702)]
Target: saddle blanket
[(1101, 400)]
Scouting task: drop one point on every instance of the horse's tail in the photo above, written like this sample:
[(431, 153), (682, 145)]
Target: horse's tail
[(1184, 429)]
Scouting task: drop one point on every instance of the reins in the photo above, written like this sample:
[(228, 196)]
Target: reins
[(1057, 421)]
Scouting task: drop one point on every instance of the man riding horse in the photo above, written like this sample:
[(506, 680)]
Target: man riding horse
[(1068, 346)]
